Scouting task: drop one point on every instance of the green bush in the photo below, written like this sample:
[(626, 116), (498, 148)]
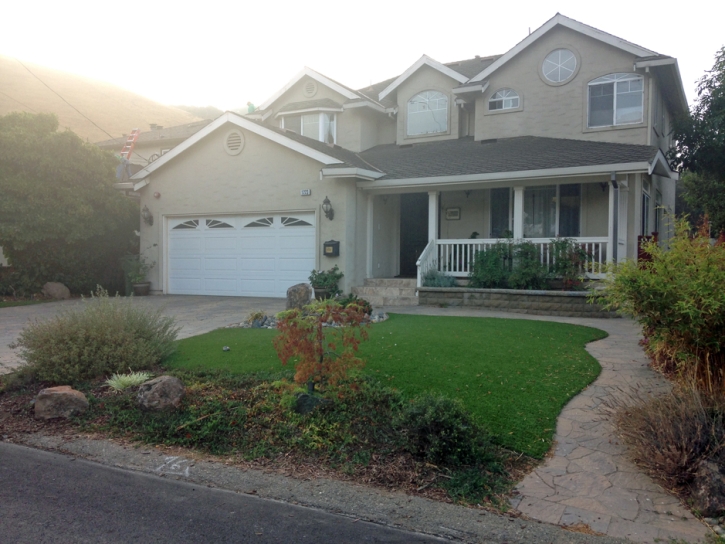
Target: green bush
[(327, 280), (439, 430), (104, 336), (528, 272), (347, 300), (678, 298), (433, 278), (491, 268), (670, 435), (569, 258)]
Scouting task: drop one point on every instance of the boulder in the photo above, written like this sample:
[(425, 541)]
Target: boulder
[(708, 489), (56, 290), (299, 295), (62, 401), (162, 393)]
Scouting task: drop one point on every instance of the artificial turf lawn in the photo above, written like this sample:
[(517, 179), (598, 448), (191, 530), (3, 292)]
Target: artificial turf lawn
[(11, 303), (515, 375)]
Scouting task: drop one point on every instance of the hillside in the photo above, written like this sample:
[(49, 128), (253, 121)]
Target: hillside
[(114, 109)]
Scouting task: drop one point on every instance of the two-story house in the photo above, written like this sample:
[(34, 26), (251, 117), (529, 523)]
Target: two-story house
[(561, 136)]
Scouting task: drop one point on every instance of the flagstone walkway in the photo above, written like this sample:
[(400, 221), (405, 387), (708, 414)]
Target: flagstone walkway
[(588, 480)]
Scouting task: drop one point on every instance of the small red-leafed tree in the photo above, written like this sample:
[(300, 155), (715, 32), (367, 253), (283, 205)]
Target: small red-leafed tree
[(322, 340)]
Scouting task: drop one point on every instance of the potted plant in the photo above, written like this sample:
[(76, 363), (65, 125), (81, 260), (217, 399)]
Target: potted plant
[(324, 282), (136, 268)]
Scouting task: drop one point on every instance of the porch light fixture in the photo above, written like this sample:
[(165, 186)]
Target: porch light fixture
[(327, 208), (146, 216)]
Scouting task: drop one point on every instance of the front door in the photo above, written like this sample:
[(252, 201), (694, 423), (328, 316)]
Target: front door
[(413, 231)]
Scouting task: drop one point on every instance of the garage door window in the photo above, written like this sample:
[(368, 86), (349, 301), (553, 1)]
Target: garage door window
[(216, 224), (264, 222), (190, 224), (294, 222)]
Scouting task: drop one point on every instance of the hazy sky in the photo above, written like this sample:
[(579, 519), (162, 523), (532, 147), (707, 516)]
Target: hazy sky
[(226, 53)]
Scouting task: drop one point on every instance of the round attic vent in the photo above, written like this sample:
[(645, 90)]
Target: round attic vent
[(234, 142), (310, 89)]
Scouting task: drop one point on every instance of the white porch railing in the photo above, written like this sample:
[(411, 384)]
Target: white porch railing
[(456, 257)]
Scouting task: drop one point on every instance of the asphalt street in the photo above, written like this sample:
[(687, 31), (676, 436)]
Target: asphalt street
[(49, 497)]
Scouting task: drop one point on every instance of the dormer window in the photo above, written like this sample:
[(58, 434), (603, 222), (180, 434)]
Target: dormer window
[(616, 99), (427, 113), (319, 126), (505, 99)]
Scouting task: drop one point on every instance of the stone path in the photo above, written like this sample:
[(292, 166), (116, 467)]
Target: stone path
[(588, 480)]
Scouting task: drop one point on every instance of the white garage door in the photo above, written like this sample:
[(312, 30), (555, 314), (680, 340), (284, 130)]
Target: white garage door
[(255, 256)]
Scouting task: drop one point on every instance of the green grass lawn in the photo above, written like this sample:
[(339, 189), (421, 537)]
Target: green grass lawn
[(10, 304), (515, 375)]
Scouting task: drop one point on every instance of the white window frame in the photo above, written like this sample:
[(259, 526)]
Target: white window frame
[(320, 132), (503, 98), (602, 81), (559, 66), (446, 109)]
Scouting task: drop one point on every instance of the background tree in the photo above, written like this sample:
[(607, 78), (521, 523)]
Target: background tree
[(700, 146), (60, 217)]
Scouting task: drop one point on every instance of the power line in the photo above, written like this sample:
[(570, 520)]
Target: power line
[(19, 102), (71, 105), (64, 100)]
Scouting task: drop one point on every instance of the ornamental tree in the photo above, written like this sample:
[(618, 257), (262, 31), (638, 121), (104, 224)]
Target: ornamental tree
[(322, 340), (60, 217), (700, 145)]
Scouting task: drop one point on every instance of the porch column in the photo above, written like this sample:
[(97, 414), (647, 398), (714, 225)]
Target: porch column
[(613, 219), (518, 213), (432, 215), (623, 224), (370, 231)]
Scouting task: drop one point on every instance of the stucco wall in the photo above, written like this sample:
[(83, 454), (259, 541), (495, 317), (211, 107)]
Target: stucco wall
[(386, 236), (474, 214), (265, 177), (595, 210), (556, 111)]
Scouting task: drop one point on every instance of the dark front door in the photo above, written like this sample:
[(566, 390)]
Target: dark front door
[(413, 231)]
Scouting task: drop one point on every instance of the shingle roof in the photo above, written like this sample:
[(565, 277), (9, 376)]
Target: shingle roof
[(177, 133), (472, 67), (465, 156), (310, 104)]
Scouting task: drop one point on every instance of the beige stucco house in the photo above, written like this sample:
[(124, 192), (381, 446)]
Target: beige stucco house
[(563, 135)]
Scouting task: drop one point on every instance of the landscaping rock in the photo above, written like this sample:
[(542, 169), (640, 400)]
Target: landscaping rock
[(299, 295), (62, 401), (56, 290), (162, 393), (305, 403), (708, 489)]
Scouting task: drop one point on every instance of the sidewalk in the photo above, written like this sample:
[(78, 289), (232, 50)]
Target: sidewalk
[(588, 479)]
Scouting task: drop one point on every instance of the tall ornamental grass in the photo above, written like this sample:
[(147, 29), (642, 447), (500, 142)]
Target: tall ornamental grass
[(102, 336), (678, 296)]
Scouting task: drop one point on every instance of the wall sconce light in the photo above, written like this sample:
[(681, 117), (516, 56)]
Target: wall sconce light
[(327, 208), (146, 216), (468, 193), (157, 195)]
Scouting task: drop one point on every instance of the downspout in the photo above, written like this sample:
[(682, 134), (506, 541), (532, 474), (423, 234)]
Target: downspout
[(615, 218)]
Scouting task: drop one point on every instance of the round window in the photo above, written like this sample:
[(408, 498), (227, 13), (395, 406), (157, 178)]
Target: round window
[(559, 65)]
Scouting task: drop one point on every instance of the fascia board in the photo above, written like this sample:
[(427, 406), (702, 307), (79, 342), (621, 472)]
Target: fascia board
[(424, 60), (478, 88), (675, 67), (661, 160), (317, 77), (520, 175), (365, 104), (242, 123), (361, 173), (560, 19), (308, 110), (657, 62)]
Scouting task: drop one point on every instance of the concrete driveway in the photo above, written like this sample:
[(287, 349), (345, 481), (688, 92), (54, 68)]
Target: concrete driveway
[(195, 315)]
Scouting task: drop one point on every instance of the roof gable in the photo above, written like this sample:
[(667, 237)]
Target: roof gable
[(232, 118), (562, 20), (309, 72), (425, 60)]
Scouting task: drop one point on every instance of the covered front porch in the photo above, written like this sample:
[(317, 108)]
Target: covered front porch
[(412, 232)]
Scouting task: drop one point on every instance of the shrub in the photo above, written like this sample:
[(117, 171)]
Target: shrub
[(528, 272), (678, 298), (568, 257), (322, 353), (119, 382), (439, 430), (672, 434), (104, 336), (491, 268), (350, 299), (327, 280), (433, 278)]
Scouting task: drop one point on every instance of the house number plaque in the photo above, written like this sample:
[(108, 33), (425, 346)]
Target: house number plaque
[(305, 192)]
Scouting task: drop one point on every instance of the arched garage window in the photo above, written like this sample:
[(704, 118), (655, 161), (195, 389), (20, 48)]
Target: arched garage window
[(427, 113)]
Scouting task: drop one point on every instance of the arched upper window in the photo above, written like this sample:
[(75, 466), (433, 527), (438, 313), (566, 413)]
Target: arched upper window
[(505, 99), (616, 99), (427, 113)]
